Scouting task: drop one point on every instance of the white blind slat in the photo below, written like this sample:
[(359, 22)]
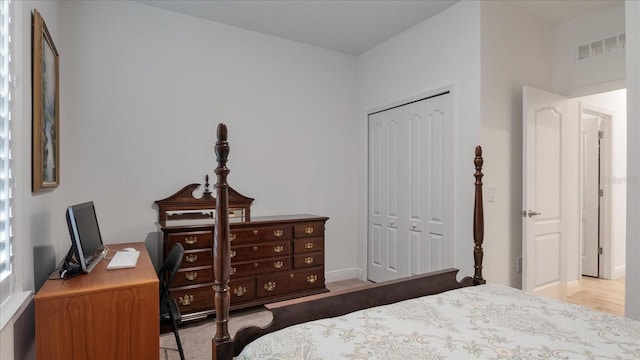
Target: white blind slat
[(6, 180)]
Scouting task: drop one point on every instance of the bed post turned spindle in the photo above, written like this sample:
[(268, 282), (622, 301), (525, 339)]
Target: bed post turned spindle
[(478, 220), (221, 266)]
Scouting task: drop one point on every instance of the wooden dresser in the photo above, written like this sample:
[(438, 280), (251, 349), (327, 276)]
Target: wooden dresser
[(106, 314), (273, 258)]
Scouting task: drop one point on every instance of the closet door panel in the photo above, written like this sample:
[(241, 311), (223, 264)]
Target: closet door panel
[(375, 243), (417, 162), (410, 189), (438, 178), (430, 196), (435, 174), (385, 256)]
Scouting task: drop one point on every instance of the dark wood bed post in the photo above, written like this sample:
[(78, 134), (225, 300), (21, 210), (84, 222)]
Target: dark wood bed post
[(221, 267), (478, 220)]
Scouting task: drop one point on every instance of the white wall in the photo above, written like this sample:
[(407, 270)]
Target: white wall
[(632, 280), (142, 90), (515, 52), (568, 74), (441, 51)]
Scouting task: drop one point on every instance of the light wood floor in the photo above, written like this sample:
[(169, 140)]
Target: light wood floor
[(600, 294)]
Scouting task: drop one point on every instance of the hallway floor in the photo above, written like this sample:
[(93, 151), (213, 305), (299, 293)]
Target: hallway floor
[(600, 294)]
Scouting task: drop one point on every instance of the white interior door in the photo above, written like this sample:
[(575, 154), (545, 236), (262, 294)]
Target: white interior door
[(427, 218), (543, 230), (410, 189), (590, 195), (385, 248)]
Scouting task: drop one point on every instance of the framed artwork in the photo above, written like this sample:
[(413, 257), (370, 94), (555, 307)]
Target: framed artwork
[(46, 109)]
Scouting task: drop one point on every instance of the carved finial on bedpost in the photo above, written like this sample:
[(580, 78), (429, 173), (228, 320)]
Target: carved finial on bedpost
[(478, 220), (221, 245)]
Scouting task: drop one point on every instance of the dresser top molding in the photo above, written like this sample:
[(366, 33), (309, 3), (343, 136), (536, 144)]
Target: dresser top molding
[(184, 200)]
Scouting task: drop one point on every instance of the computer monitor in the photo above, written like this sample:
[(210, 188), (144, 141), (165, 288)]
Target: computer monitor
[(85, 235)]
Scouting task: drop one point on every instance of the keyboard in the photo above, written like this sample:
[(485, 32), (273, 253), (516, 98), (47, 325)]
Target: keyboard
[(123, 260)]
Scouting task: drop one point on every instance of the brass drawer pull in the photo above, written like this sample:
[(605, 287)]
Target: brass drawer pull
[(255, 232), (270, 286), (232, 237), (311, 279), (255, 248), (308, 260), (240, 290), (233, 253), (278, 249), (191, 275), (233, 271), (308, 245), (278, 233), (191, 258), (255, 265), (190, 240), (185, 300), (278, 264), (308, 230)]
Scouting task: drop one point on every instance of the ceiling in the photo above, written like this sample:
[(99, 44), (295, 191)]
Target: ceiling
[(352, 26)]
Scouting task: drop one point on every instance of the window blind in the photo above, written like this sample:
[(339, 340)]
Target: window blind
[(6, 176)]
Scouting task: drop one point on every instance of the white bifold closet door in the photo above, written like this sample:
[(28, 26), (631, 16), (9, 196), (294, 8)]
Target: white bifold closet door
[(410, 189)]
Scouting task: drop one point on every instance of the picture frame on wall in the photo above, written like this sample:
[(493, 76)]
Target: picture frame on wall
[(46, 108)]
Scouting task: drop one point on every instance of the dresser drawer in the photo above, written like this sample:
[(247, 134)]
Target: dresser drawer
[(193, 299), (191, 240), (306, 245), (260, 266), (260, 250), (289, 281), (308, 260), (192, 276), (280, 232), (242, 290), (197, 258), (308, 229)]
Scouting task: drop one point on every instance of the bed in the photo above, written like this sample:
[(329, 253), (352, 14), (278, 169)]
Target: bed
[(430, 316)]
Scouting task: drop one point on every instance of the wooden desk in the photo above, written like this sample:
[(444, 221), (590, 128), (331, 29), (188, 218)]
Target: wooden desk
[(107, 314)]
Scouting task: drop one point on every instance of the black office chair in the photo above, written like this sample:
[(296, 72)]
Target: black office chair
[(169, 311)]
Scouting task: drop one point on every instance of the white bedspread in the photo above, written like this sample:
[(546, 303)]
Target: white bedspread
[(481, 322)]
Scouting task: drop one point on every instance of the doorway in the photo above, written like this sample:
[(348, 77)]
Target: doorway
[(594, 167), (603, 202), (553, 257)]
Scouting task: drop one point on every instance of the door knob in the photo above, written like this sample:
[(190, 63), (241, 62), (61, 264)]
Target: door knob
[(532, 213)]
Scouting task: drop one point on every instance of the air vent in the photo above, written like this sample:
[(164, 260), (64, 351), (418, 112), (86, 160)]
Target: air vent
[(601, 46)]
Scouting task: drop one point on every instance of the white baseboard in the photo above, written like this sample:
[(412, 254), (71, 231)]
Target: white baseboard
[(619, 271), (345, 274), (573, 287), (554, 290)]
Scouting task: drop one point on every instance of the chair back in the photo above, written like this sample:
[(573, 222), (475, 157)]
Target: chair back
[(168, 271)]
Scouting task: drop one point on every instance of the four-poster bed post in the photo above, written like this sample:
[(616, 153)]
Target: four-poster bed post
[(478, 220), (221, 246)]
